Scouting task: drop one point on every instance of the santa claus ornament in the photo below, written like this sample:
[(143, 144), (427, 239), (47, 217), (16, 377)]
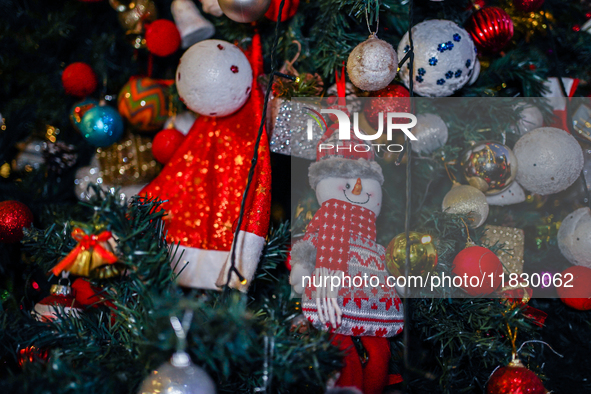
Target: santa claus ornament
[(348, 188), (214, 78), (60, 302), (203, 184)]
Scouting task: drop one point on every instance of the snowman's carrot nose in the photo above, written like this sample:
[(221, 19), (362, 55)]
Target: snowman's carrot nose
[(357, 188)]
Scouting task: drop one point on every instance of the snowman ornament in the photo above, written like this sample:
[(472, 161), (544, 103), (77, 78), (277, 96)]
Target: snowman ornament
[(340, 250)]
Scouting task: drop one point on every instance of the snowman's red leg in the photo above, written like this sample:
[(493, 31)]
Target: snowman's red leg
[(352, 372), (375, 372)]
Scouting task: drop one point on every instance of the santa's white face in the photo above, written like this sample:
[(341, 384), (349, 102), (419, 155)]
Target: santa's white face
[(364, 192)]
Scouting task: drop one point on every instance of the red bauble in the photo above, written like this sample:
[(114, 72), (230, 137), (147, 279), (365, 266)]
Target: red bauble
[(162, 37), (579, 295), (491, 28), (79, 80), (289, 10), (527, 5), (14, 216), (474, 262), (166, 143), (514, 379), (393, 98)]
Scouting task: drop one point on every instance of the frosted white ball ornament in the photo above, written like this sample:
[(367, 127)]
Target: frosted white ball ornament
[(548, 160), (531, 118), (574, 237), (444, 58), (372, 65), (431, 133), (214, 78)]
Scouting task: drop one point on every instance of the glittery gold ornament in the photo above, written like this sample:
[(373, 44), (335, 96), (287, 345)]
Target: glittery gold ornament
[(511, 255), (133, 16), (130, 161), (489, 167), (466, 200), (529, 24), (423, 255)]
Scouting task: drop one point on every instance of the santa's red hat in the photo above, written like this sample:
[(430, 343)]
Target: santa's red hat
[(350, 158), (203, 185)]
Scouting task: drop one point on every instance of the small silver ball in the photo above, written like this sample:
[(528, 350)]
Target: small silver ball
[(431, 133), (244, 11), (168, 378)]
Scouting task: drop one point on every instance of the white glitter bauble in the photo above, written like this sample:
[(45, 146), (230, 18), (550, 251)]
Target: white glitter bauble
[(444, 58), (475, 72), (531, 119), (514, 194), (466, 200), (574, 237), (548, 160), (214, 78), (431, 133), (372, 64)]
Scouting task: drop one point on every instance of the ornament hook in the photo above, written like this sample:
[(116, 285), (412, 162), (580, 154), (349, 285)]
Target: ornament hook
[(181, 358)]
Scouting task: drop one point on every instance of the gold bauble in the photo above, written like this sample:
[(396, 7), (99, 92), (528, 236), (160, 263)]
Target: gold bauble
[(128, 162), (489, 166), (466, 200), (423, 255), (133, 14)]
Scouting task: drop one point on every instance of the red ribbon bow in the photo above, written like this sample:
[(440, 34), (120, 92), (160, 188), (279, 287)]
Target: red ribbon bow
[(85, 242)]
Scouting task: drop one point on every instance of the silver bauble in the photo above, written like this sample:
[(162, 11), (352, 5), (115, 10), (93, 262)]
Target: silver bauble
[(372, 65), (431, 133), (178, 378), (514, 194), (531, 119), (574, 237), (92, 174), (244, 11), (444, 58), (489, 166), (549, 160), (466, 200)]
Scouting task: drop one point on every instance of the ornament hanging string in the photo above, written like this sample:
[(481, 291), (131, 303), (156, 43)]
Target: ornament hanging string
[(255, 155), (377, 18)]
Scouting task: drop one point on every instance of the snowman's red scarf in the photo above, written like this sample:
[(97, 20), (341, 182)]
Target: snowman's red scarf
[(335, 222)]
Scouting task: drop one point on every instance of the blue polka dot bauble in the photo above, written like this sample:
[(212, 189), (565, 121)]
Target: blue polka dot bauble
[(444, 56), (101, 126)]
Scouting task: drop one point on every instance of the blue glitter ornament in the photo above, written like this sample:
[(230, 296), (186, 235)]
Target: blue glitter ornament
[(440, 81), (449, 74), (458, 73), (457, 37), (421, 71), (419, 78), (79, 109), (433, 61), (101, 126)]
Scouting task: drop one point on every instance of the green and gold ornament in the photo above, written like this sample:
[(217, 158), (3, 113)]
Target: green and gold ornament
[(143, 102)]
